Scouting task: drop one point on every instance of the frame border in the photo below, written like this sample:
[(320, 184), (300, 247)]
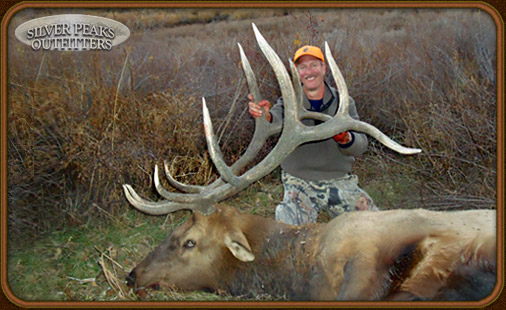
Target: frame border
[(256, 4)]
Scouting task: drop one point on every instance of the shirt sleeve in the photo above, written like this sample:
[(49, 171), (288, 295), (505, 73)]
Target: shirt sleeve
[(277, 111)]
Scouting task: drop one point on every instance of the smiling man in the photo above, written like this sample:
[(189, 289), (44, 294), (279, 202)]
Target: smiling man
[(316, 176)]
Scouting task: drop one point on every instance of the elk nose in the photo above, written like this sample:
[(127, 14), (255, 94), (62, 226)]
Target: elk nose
[(131, 279)]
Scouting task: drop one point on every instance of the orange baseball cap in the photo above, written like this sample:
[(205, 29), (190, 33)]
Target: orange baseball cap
[(309, 50)]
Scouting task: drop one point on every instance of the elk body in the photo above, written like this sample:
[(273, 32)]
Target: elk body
[(397, 254)]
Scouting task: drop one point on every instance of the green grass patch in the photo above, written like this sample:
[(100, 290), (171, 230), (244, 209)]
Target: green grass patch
[(72, 263), (389, 191)]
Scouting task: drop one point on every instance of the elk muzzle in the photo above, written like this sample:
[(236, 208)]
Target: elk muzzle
[(131, 281)]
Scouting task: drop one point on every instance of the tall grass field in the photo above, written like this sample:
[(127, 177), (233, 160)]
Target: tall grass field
[(82, 123)]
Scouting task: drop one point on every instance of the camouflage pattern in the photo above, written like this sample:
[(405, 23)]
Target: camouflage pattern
[(303, 200)]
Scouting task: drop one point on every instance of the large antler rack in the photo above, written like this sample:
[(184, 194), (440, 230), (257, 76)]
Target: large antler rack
[(202, 198)]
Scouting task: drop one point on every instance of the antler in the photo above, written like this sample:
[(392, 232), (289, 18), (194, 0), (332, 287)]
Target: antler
[(201, 198)]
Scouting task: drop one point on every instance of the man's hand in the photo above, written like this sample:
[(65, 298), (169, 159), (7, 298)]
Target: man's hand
[(343, 137), (257, 109)]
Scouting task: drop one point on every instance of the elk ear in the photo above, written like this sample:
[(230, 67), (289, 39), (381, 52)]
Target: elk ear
[(237, 244)]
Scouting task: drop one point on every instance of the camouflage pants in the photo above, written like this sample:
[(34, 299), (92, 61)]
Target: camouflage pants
[(303, 200)]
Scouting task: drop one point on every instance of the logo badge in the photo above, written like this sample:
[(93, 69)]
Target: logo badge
[(72, 32)]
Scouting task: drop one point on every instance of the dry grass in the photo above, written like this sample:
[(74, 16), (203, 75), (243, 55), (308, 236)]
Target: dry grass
[(81, 124)]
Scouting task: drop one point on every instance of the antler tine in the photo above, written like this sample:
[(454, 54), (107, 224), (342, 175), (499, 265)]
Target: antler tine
[(250, 76), (161, 207), (344, 98), (178, 185), (176, 197), (286, 87), (297, 85), (355, 124), (214, 151), (381, 137), (263, 129)]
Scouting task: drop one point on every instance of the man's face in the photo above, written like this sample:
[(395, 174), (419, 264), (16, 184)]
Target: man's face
[(311, 71)]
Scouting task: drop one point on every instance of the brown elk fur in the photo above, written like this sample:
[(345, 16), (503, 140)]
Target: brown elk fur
[(396, 254)]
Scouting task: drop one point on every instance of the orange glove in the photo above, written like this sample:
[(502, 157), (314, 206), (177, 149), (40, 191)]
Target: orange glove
[(343, 137)]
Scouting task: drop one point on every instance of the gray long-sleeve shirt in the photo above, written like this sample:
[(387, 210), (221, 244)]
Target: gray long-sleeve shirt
[(324, 159)]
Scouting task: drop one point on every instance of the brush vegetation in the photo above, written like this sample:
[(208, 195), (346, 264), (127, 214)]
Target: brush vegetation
[(81, 124)]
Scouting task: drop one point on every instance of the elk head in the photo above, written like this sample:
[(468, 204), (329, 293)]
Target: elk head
[(196, 253)]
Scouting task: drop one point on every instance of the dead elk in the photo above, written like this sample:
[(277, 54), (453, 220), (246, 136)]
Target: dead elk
[(384, 255)]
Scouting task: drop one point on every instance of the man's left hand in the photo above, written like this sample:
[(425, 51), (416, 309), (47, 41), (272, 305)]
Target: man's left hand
[(343, 137)]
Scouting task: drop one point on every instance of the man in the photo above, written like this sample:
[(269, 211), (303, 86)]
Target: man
[(316, 176)]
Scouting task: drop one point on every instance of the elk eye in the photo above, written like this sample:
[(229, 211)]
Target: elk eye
[(189, 244)]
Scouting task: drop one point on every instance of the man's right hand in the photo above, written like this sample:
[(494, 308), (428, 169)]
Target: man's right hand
[(260, 108)]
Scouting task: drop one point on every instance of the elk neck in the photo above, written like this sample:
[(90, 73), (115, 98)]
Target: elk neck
[(284, 264)]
